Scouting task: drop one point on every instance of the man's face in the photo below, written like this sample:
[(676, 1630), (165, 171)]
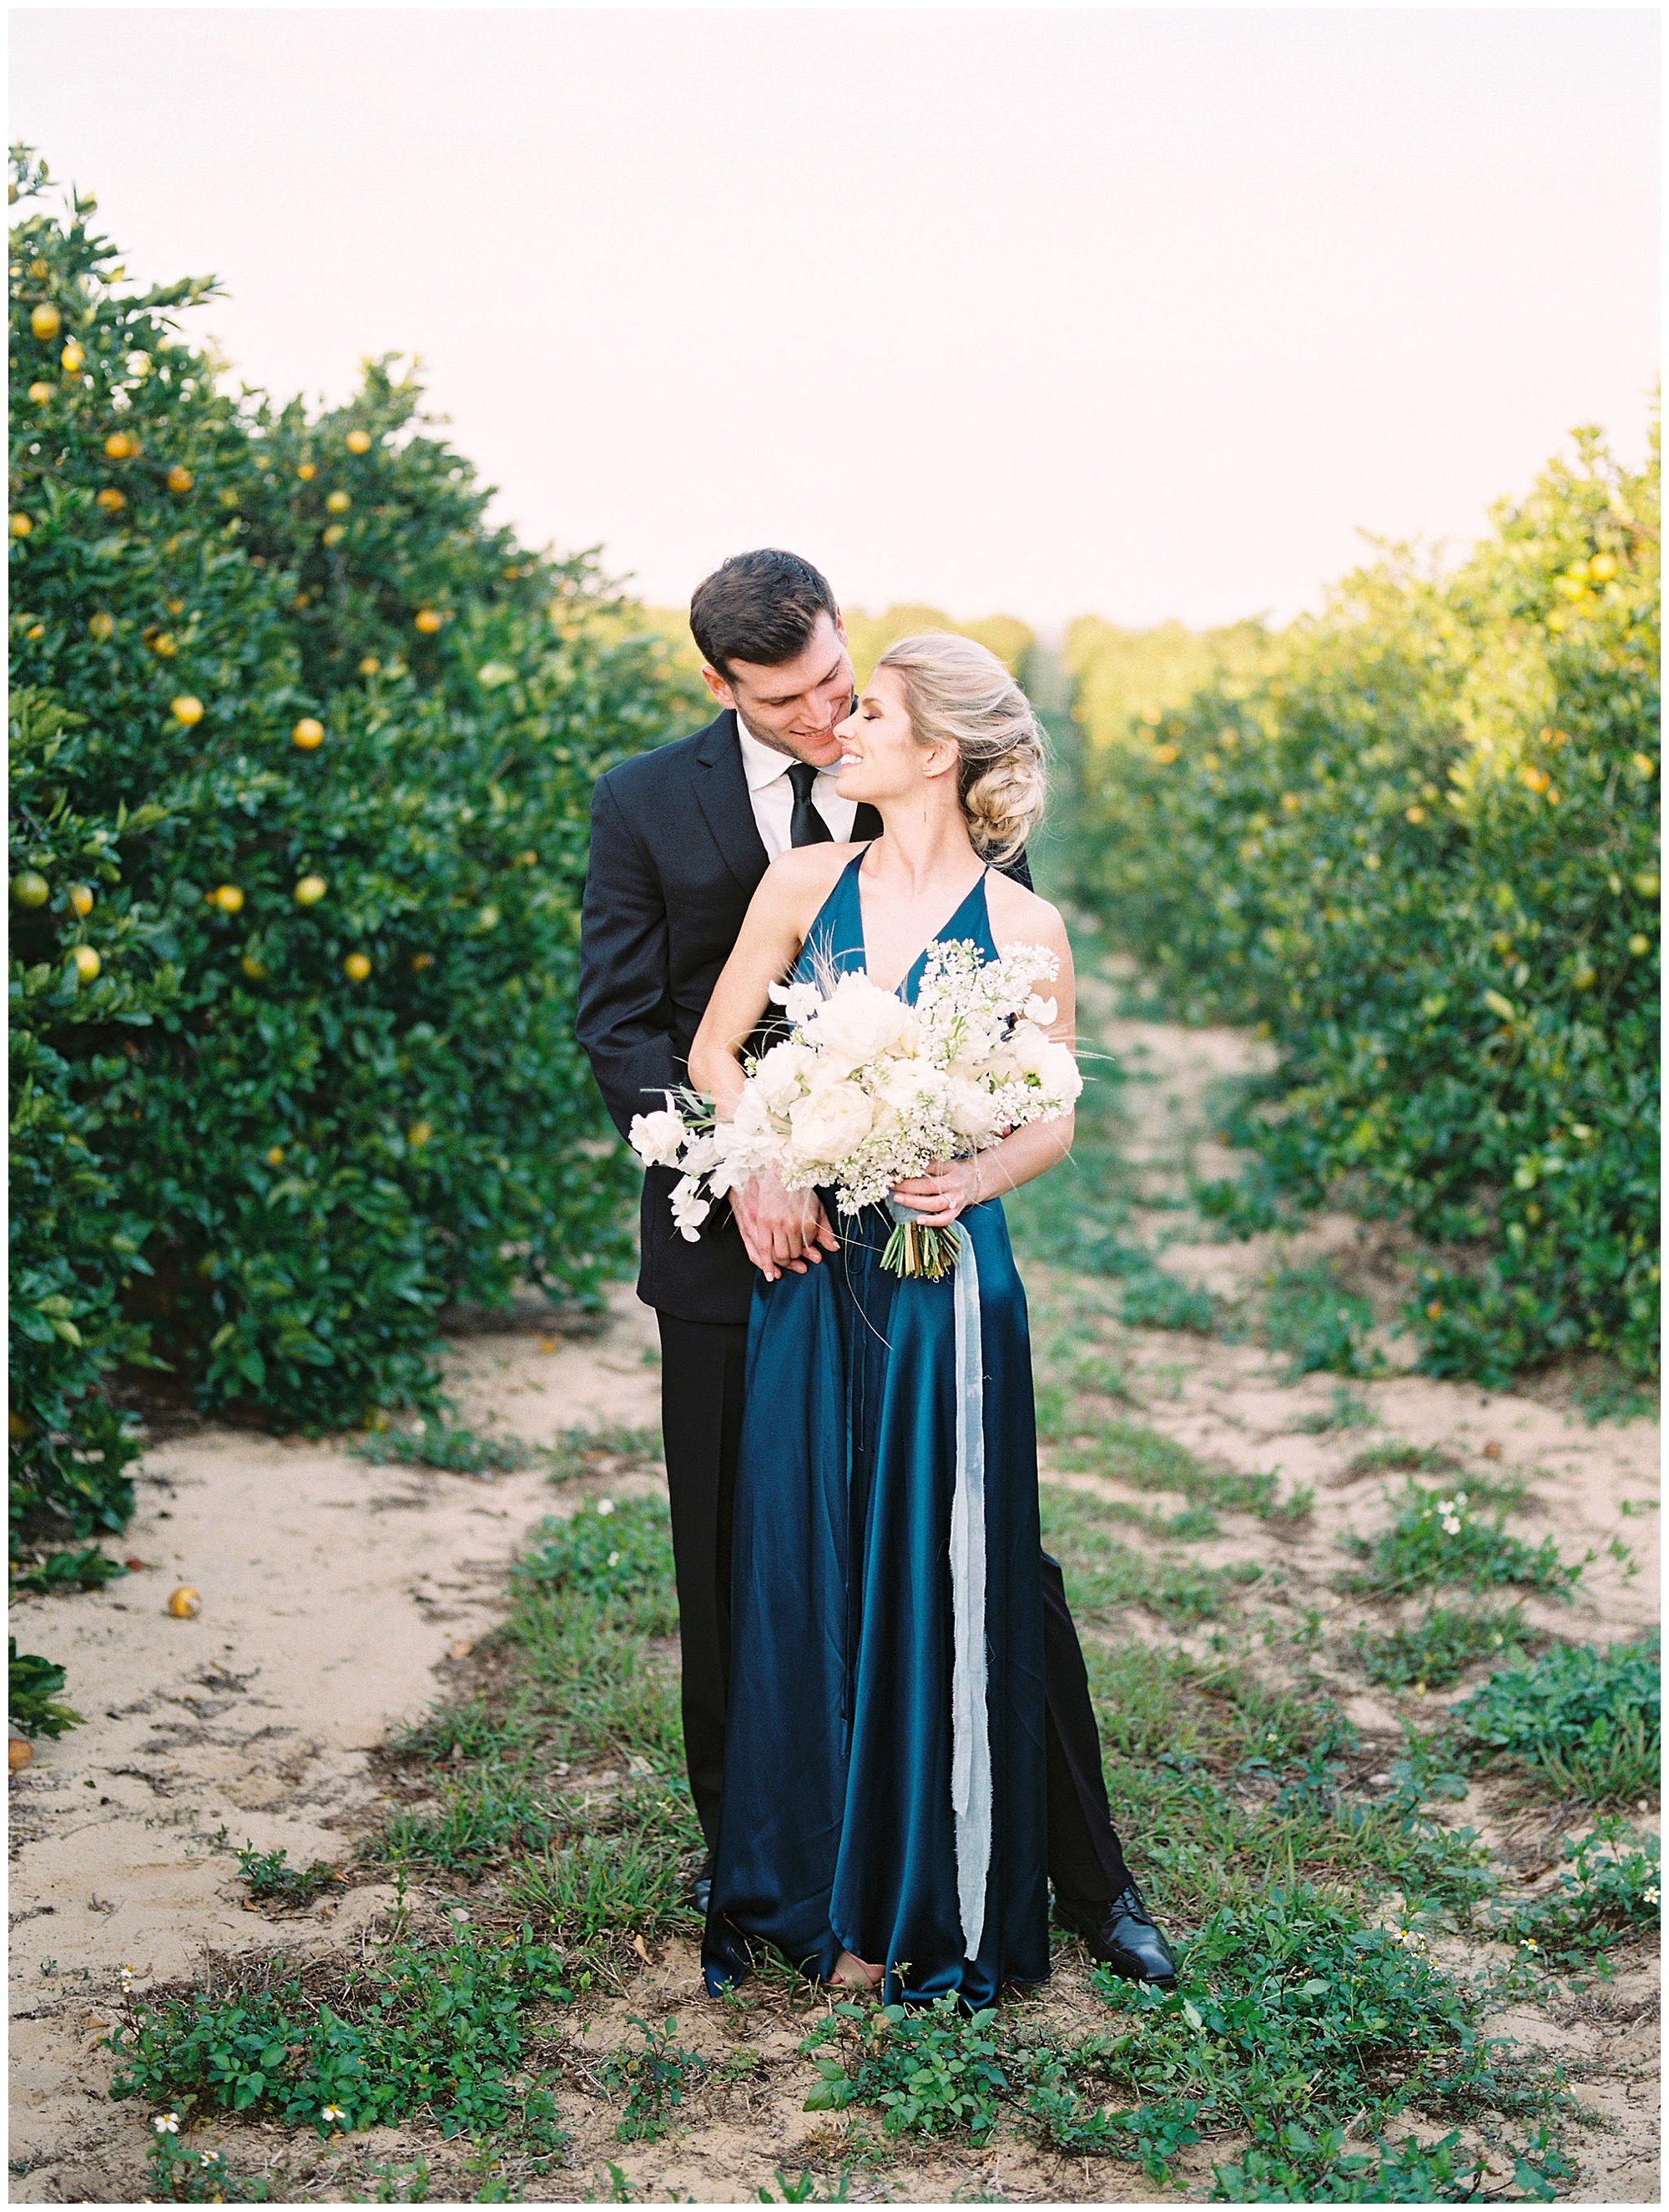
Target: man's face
[(796, 706)]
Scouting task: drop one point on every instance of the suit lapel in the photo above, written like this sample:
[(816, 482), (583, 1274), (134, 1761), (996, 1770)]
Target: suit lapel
[(721, 793)]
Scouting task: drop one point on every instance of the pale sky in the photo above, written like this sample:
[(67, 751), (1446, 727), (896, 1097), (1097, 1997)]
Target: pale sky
[(1142, 313)]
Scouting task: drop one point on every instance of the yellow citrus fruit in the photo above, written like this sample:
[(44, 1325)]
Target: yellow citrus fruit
[(120, 446), (163, 643), (186, 709), (185, 1603), (1639, 943), (21, 525), (40, 393), (73, 358), (111, 500), (333, 535), (1647, 883), (101, 626), (176, 606), (427, 621), (81, 899), (229, 898), (306, 473), (370, 664), (420, 961), (275, 1156), (180, 478), (252, 968), (419, 1133), (30, 887), (19, 1753), (359, 441), (1602, 568), (1415, 814), (307, 733), (339, 502), (45, 322), (356, 967), (86, 961), (35, 629), (310, 890)]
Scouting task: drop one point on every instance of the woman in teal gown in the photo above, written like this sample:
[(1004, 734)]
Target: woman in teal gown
[(883, 1815)]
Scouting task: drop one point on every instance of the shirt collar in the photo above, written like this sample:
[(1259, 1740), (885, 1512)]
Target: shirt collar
[(761, 764)]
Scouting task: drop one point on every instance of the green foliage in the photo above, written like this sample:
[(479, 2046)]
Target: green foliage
[(1415, 837), (270, 1876), (653, 2079), (1440, 1536), (302, 751), (33, 1700), (613, 1549), (932, 2070), (1296, 2167), (442, 2029), (1606, 1893), (1318, 1325), (1588, 1721), (1437, 1648), (69, 1571), (438, 1444)]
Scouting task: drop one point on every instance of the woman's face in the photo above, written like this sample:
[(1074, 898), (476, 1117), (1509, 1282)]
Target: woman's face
[(880, 759)]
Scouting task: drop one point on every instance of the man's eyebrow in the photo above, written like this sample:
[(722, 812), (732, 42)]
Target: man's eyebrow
[(781, 699)]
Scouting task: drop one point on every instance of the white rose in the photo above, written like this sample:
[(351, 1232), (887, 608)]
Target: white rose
[(972, 1110), (779, 1076), (658, 1139), (860, 1022), (831, 1121)]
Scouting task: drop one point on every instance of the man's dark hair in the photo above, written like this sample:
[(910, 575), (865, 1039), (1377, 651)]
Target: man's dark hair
[(759, 607)]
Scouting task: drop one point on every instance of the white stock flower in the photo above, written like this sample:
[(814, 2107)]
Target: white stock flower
[(689, 1208), (1043, 1011), (831, 1121), (658, 1137)]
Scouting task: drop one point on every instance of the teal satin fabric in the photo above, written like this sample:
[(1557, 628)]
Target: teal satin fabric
[(837, 1831)]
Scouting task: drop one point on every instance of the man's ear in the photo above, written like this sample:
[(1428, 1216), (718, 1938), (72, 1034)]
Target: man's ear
[(716, 684), (840, 627)]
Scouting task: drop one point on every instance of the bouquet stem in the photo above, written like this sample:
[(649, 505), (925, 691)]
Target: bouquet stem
[(915, 1249)]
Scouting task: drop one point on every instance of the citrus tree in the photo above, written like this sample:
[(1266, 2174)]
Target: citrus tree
[(1416, 837), (301, 756)]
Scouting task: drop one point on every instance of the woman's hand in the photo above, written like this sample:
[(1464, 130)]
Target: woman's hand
[(948, 1189)]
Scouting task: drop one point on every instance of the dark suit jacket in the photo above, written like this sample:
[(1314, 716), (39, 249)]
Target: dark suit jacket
[(676, 855)]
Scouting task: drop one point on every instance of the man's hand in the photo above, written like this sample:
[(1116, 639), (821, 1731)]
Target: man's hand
[(780, 1228)]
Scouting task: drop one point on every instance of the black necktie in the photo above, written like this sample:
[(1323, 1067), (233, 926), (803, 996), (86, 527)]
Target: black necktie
[(807, 827)]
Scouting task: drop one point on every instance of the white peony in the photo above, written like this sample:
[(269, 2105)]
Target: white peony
[(781, 1073), (860, 1022), (972, 1111), (1049, 1064), (658, 1139), (832, 1121)]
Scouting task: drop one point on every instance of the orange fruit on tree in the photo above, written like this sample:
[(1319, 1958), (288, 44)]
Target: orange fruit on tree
[(35, 629), (310, 890), (40, 393), (359, 441), (121, 445), (101, 626), (356, 967), (427, 620), (45, 322), (339, 502), (307, 733), (420, 961), (87, 963), (30, 887), (81, 899), (274, 1157), (111, 500), (73, 358), (254, 968), (180, 478), (306, 471), (229, 898), (370, 664), (21, 525), (333, 535), (419, 1134), (163, 644), (186, 709)]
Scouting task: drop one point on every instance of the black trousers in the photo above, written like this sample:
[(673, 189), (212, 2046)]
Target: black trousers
[(703, 1369)]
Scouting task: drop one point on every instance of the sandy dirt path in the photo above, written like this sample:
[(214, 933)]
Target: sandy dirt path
[(337, 1593)]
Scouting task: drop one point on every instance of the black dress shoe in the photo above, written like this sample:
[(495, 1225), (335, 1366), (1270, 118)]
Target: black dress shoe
[(700, 1886), (1121, 1935)]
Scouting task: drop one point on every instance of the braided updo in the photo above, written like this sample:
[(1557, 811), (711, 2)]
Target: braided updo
[(959, 693)]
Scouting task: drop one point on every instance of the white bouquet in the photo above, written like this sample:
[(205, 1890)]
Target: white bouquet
[(867, 1090)]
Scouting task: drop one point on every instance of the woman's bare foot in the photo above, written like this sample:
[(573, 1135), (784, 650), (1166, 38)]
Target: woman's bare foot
[(853, 1972)]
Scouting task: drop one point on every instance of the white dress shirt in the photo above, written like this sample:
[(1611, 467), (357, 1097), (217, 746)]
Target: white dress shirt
[(773, 795)]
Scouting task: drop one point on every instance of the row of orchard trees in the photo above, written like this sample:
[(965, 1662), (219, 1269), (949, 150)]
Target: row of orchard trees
[(302, 754), (1417, 838)]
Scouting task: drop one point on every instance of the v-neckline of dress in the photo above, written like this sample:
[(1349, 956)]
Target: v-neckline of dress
[(938, 936)]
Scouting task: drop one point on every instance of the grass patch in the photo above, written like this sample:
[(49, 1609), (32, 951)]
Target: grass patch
[(1440, 1537), (1131, 1452), (270, 1879), (1586, 1721), (452, 1448), (1437, 1648), (1609, 1890), (1103, 1574), (1395, 1457), (1318, 1324), (1345, 1409)]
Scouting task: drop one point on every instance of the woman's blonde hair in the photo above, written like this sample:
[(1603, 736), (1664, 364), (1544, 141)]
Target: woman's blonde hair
[(959, 693)]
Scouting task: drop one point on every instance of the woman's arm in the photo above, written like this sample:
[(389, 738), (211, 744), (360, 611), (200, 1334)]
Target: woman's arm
[(939, 1197), (773, 931)]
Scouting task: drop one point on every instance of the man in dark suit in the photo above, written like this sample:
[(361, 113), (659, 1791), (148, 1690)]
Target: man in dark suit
[(681, 838)]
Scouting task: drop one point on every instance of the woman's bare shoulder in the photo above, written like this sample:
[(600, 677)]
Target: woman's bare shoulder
[(1021, 916), (800, 878)]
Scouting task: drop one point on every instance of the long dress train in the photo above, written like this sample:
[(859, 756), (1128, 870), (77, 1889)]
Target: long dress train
[(883, 1788)]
